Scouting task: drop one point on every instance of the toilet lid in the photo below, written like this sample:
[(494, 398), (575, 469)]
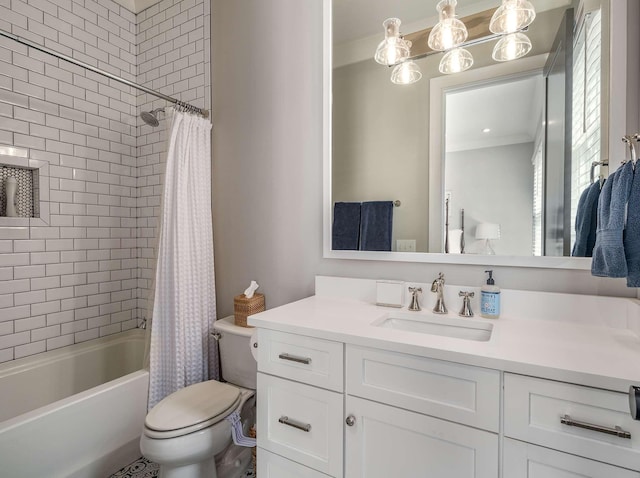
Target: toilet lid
[(191, 405)]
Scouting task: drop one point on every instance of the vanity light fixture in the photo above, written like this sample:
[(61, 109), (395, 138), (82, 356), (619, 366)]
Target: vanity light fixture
[(393, 48), (450, 35), (486, 130)]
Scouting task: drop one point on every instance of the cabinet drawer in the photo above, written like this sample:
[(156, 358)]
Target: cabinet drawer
[(305, 359), (460, 393), (301, 422), (523, 460), (270, 465), (534, 408), (386, 442)]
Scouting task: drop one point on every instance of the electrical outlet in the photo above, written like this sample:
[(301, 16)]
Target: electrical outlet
[(406, 245)]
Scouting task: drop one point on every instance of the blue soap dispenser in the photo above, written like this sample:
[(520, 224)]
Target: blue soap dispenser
[(490, 298)]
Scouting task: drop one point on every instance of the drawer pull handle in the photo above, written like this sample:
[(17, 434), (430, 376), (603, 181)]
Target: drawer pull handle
[(305, 427), (294, 358), (617, 431)]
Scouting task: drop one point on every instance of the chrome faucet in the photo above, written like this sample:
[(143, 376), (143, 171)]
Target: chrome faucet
[(466, 303), (438, 287), (415, 305)]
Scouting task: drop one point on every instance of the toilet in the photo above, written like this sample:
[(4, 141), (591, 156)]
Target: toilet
[(186, 432)]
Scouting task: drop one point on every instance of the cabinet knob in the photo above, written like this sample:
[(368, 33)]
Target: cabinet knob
[(351, 420)]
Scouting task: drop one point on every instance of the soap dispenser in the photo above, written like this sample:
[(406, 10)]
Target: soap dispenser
[(490, 298)]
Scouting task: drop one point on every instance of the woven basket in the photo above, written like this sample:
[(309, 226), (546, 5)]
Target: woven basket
[(252, 434), (243, 307)]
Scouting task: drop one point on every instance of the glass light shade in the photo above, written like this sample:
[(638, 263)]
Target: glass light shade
[(392, 49), (511, 47), (512, 16), (406, 73), (449, 32), (455, 61)]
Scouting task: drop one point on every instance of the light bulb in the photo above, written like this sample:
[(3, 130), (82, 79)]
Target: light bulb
[(449, 32), (455, 61), (512, 16), (393, 48), (406, 73)]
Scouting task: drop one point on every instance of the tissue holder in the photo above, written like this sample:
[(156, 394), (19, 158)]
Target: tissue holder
[(243, 307)]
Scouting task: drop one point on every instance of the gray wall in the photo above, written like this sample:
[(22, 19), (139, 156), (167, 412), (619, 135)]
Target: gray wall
[(267, 166), (493, 185)]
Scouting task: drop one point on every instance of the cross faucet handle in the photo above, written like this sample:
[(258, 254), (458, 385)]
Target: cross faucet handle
[(466, 303), (414, 305)]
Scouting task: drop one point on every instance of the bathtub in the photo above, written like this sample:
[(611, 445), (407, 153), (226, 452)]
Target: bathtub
[(74, 412)]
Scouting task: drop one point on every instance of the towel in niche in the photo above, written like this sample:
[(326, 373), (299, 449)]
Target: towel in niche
[(632, 234), (586, 221), (346, 226), (608, 254), (376, 225)]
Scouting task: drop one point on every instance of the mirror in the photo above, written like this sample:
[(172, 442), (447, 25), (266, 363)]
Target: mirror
[(388, 141)]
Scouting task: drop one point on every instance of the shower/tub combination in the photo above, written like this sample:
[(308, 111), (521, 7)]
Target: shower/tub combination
[(76, 411)]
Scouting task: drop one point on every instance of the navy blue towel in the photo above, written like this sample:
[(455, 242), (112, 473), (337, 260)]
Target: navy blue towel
[(632, 233), (346, 226), (376, 225), (608, 254), (586, 221)]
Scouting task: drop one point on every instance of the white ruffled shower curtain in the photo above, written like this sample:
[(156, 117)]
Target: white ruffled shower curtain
[(182, 351)]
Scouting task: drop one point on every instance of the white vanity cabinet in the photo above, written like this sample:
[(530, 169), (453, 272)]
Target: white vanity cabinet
[(330, 409)]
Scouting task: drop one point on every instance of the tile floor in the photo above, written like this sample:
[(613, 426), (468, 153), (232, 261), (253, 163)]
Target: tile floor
[(143, 468)]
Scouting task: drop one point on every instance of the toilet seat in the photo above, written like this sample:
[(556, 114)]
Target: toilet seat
[(192, 408)]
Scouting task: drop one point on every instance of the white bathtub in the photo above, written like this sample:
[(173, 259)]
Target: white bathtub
[(74, 412)]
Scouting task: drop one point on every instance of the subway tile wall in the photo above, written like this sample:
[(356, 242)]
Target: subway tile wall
[(87, 273), (173, 58)]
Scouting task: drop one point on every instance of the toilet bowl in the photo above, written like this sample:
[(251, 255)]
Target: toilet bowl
[(185, 431)]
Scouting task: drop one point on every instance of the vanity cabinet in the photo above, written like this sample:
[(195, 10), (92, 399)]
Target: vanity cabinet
[(331, 409)]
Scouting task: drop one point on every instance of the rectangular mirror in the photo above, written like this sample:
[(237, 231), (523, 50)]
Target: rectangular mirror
[(481, 166)]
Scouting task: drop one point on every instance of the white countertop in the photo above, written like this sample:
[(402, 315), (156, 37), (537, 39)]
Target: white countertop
[(593, 355)]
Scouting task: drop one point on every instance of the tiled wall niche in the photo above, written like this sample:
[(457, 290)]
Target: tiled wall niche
[(81, 273)]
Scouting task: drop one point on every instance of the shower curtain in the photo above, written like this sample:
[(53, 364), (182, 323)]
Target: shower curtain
[(182, 351)]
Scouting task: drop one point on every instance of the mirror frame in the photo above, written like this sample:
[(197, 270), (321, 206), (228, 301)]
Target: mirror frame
[(617, 107)]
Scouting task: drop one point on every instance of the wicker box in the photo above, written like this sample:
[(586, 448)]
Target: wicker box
[(243, 307)]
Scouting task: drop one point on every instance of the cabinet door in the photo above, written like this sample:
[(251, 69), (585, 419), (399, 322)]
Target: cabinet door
[(523, 460), (389, 442)]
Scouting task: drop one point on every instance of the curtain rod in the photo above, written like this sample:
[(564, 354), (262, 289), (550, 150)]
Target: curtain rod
[(29, 43)]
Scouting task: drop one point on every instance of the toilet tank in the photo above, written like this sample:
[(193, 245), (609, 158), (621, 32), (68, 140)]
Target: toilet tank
[(236, 361)]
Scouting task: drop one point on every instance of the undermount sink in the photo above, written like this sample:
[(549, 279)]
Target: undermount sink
[(437, 325)]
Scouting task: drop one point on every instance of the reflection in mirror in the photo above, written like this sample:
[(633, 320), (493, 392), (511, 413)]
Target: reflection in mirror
[(521, 180)]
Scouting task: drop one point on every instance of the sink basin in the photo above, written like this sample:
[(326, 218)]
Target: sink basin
[(466, 329)]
